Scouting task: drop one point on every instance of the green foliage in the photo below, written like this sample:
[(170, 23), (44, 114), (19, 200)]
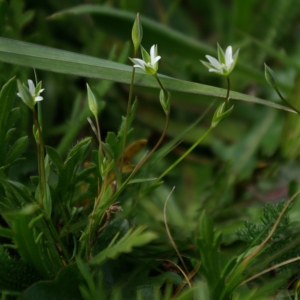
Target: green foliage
[(254, 233), (208, 244), (82, 218), (15, 275)]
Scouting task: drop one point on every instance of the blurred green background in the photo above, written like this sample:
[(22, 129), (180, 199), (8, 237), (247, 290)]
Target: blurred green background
[(250, 159)]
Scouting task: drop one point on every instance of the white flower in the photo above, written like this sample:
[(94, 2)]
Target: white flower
[(225, 63), (149, 63), (34, 91)]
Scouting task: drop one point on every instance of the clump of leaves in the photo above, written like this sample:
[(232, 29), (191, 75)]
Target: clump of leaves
[(254, 234)]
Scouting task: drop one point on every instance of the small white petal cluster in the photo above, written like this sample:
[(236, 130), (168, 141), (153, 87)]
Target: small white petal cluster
[(225, 62), (149, 63), (34, 91)]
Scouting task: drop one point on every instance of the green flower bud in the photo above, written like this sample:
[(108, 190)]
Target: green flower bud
[(220, 114), (165, 99), (93, 105), (137, 32)]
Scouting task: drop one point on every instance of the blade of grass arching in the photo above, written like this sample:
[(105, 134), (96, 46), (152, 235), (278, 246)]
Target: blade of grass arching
[(50, 59), (169, 40)]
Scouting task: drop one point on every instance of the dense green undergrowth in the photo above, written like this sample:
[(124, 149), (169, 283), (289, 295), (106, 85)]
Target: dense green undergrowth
[(87, 204)]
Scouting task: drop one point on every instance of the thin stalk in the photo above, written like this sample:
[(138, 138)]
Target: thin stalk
[(99, 136), (127, 116), (185, 154), (160, 84), (139, 165), (270, 269), (92, 219), (41, 158), (142, 161), (169, 233), (58, 240), (228, 91), (287, 103), (42, 180)]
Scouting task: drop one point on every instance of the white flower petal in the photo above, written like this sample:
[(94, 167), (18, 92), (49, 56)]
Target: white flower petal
[(31, 87), (216, 71), (139, 61), (153, 52), (41, 90), (215, 63), (19, 95), (228, 57), (38, 98), (157, 58), (139, 66)]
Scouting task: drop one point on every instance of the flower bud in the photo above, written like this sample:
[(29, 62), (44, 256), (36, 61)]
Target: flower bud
[(220, 114), (165, 98), (137, 32), (93, 105)]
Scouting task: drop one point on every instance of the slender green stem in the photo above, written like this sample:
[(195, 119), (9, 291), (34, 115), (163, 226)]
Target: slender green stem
[(185, 154), (228, 91), (99, 135), (41, 158), (160, 84), (100, 151), (140, 164), (287, 103), (43, 182), (127, 117), (58, 240)]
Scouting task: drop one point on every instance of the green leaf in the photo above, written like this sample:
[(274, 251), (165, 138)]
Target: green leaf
[(83, 175), (28, 249), (16, 195), (16, 150), (10, 135), (7, 96), (79, 149), (130, 120), (208, 244), (114, 144), (47, 202), (65, 286), (15, 274), (13, 117), (55, 158), (116, 226), (74, 159), (5, 232), (206, 228), (133, 238), (50, 59)]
